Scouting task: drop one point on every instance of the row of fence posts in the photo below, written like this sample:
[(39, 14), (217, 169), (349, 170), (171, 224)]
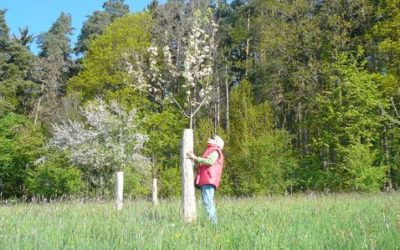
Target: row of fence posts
[(188, 192), (119, 190)]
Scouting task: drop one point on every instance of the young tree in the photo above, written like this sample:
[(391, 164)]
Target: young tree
[(196, 72), (195, 77)]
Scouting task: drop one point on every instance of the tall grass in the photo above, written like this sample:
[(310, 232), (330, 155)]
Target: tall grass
[(300, 222)]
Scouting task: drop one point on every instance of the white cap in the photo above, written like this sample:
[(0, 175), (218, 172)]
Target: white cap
[(219, 141)]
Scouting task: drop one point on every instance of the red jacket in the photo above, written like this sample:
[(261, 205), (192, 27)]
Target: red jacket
[(210, 175)]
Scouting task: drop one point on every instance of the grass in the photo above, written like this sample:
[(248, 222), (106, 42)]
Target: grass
[(301, 222)]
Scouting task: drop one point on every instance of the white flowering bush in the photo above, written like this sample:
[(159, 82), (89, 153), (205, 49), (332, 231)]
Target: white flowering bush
[(159, 73), (106, 141)]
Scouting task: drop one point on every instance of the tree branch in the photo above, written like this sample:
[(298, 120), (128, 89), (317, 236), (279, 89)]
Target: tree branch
[(198, 108), (176, 102)]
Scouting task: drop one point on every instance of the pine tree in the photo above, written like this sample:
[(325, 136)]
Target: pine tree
[(98, 22)]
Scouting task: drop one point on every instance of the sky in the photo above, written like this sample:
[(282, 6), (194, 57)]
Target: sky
[(39, 15)]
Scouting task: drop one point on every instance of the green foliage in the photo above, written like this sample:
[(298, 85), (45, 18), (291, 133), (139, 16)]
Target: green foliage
[(15, 61), (352, 110), (306, 71), (16, 91), (259, 157), (116, 8), (383, 46), (20, 147), (248, 119), (136, 185), (170, 182), (98, 22), (104, 68), (204, 129), (56, 42), (360, 172), (267, 164), (54, 179), (165, 130), (385, 38), (4, 29), (349, 112), (18, 96)]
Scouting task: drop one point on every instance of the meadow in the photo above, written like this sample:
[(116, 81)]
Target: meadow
[(347, 221)]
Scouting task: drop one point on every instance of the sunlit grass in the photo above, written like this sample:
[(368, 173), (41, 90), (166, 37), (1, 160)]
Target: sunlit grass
[(300, 222)]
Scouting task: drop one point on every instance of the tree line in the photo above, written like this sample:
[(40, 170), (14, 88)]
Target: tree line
[(304, 92)]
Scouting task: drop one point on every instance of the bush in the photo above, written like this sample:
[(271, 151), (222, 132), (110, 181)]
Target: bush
[(359, 171), (170, 182), (266, 165), (20, 145), (50, 181), (135, 184)]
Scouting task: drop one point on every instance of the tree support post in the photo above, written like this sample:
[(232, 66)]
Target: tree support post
[(188, 194), (155, 192), (119, 190)]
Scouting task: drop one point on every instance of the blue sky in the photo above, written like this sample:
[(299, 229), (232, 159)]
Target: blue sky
[(39, 15)]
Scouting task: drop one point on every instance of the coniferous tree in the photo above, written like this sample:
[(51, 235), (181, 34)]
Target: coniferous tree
[(56, 41), (51, 68), (16, 89), (98, 22)]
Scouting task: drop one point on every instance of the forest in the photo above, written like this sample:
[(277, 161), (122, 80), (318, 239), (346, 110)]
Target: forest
[(305, 94)]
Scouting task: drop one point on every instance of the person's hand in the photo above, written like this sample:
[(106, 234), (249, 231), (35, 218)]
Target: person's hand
[(190, 155)]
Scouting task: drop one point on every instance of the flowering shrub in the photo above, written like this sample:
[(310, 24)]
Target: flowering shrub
[(106, 141)]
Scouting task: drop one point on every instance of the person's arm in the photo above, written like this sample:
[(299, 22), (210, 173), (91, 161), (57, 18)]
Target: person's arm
[(210, 160)]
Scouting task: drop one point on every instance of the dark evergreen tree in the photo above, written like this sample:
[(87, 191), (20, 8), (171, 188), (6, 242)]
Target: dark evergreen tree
[(16, 91), (98, 22), (56, 41), (52, 67)]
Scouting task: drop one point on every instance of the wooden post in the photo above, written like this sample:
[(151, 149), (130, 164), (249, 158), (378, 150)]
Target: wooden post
[(119, 190), (188, 196), (155, 192)]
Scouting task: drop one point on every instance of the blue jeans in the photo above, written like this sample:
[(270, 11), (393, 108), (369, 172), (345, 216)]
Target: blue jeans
[(207, 193)]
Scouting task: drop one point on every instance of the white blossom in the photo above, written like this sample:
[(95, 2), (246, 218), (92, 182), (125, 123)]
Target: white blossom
[(156, 74), (107, 139)]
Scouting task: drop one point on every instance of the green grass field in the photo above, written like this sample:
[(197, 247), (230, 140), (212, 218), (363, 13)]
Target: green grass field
[(301, 222)]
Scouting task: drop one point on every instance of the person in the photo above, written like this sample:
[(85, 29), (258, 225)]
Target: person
[(209, 172)]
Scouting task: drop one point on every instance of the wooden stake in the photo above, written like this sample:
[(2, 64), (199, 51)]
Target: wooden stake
[(155, 192), (119, 190)]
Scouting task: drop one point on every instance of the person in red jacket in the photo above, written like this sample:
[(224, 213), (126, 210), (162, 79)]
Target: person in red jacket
[(209, 172)]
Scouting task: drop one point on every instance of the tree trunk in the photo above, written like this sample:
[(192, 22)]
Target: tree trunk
[(38, 107), (227, 98), (299, 128), (389, 186), (119, 190), (188, 195), (247, 42), (217, 107)]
